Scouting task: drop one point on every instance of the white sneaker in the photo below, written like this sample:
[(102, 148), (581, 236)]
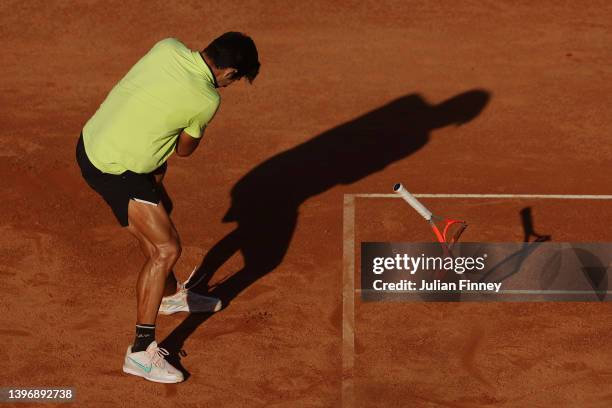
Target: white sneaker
[(187, 301), (151, 365)]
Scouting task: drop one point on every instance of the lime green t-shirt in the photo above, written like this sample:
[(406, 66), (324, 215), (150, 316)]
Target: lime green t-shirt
[(136, 128)]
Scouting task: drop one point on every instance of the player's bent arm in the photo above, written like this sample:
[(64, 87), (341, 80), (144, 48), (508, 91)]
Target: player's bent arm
[(187, 144)]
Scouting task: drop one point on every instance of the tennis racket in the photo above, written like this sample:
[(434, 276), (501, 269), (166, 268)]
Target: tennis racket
[(446, 230)]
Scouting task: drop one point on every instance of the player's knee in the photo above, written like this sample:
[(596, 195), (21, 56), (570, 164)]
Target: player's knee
[(168, 253), (148, 249)]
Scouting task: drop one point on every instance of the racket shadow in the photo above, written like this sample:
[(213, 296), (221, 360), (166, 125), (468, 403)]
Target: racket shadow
[(595, 272), (512, 264), (266, 201)]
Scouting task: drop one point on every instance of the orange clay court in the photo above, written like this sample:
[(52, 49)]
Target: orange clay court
[(351, 98)]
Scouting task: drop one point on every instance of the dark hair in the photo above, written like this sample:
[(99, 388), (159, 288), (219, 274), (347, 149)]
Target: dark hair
[(235, 50)]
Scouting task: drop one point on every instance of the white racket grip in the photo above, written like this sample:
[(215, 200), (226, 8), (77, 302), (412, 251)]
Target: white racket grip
[(414, 203)]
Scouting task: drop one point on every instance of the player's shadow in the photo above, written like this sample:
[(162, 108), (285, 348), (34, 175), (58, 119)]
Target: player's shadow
[(266, 200)]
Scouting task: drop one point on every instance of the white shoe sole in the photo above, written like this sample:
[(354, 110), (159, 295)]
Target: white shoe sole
[(137, 373), (167, 312), (207, 304)]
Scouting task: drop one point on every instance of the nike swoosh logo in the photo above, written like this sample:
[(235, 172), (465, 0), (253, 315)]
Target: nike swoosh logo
[(144, 367)]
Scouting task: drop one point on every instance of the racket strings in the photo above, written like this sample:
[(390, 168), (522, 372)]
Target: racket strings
[(453, 230)]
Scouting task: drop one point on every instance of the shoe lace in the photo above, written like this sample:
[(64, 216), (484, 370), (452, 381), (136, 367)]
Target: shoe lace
[(181, 286), (158, 356)]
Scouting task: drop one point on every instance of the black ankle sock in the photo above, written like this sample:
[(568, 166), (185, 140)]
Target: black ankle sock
[(145, 335)]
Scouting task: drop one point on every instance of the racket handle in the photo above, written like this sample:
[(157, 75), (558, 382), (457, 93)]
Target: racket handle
[(414, 203)]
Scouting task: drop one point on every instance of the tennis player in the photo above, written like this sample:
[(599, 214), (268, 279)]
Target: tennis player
[(161, 106)]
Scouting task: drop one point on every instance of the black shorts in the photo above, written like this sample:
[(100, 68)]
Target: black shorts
[(118, 189)]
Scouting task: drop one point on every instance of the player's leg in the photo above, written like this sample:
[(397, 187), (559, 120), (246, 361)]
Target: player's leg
[(151, 223), (145, 245)]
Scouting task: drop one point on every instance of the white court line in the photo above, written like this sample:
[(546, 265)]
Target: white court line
[(348, 301), (508, 196), (348, 269)]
